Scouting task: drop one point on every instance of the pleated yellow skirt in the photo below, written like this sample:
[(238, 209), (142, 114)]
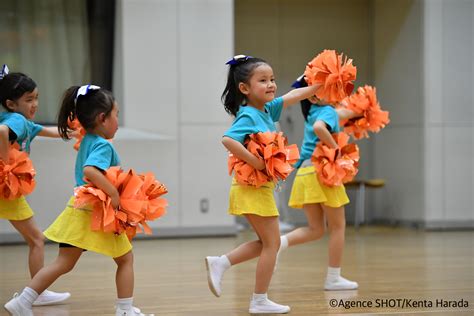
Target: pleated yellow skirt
[(15, 210), (307, 190), (251, 200), (73, 227)]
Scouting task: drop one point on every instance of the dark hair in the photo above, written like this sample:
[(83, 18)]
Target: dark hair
[(85, 108), (305, 104), (13, 86), (241, 72)]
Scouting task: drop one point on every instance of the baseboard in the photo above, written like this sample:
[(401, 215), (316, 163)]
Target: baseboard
[(436, 225), (164, 232)]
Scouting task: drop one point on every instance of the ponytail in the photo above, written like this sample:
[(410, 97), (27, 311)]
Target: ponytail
[(67, 112), (305, 107), (305, 104)]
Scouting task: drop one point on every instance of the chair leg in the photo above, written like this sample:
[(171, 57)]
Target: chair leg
[(360, 205), (362, 202)]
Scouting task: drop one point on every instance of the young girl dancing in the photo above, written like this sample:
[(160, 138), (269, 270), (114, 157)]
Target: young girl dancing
[(319, 201), (249, 96), (97, 111), (19, 97)]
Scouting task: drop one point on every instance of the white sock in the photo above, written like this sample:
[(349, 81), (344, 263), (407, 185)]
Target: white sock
[(259, 297), (125, 303), (333, 274), (283, 242), (224, 262), (28, 296)]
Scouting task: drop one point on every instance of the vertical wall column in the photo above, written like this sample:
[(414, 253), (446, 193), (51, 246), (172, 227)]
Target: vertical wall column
[(171, 69)]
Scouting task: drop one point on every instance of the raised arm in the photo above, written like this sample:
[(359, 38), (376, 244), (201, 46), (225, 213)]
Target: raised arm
[(346, 114), (239, 151), (299, 94), (4, 142), (49, 131), (96, 176)]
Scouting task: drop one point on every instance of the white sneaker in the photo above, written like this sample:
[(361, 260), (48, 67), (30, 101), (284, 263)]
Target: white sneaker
[(267, 307), (340, 284), (214, 275), (15, 308), (51, 298), (132, 311)]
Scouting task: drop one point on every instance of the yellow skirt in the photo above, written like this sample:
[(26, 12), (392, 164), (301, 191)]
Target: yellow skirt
[(73, 227), (245, 199), (307, 190), (15, 210)]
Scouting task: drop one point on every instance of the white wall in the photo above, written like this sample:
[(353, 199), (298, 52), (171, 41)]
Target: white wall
[(399, 155), (424, 73), (173, 75), (449, 112), (169, 74)]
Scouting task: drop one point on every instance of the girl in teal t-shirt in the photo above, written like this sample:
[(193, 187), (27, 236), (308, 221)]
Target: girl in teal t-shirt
[(249, 96), (318, 201), (97, 111), (19, 98)]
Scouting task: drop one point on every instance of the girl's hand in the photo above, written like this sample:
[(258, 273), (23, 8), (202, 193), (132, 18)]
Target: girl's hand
[(73, 133), (115, 201)]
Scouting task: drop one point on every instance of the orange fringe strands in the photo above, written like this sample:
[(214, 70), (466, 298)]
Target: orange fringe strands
[(81, 132), (373, 119), (333, 73), (273, 149), (335, 168), (16, 176), (140, 201)]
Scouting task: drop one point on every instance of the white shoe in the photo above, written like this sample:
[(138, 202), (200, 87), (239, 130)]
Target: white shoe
[(267, 307), (51, 298), (340, 284), (15, 308), (214, 275), (132, 311)]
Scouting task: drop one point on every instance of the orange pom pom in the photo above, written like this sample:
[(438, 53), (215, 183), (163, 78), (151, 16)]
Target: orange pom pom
[(140, 201), (80, 132), (335, 168), (273, 149), (333, 73), (373, 119), (16, 176)]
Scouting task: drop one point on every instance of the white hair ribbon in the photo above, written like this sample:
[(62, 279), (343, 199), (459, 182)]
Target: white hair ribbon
[(83, 90), (4, 71)]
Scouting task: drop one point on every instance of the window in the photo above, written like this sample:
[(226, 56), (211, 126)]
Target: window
[(58, 43)]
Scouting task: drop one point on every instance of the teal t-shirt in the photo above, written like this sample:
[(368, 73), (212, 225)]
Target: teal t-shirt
[(22, 130), (250, 120), (325, 113), (95, 151)]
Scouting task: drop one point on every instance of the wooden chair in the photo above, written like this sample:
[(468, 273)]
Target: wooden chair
[(360, 187)]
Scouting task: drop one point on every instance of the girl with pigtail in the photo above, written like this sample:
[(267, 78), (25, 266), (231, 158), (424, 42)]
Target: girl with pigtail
[(249, 96), (97, 111)]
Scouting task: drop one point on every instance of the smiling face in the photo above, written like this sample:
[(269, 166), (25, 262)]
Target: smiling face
[(27, 104), (261, 87)]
